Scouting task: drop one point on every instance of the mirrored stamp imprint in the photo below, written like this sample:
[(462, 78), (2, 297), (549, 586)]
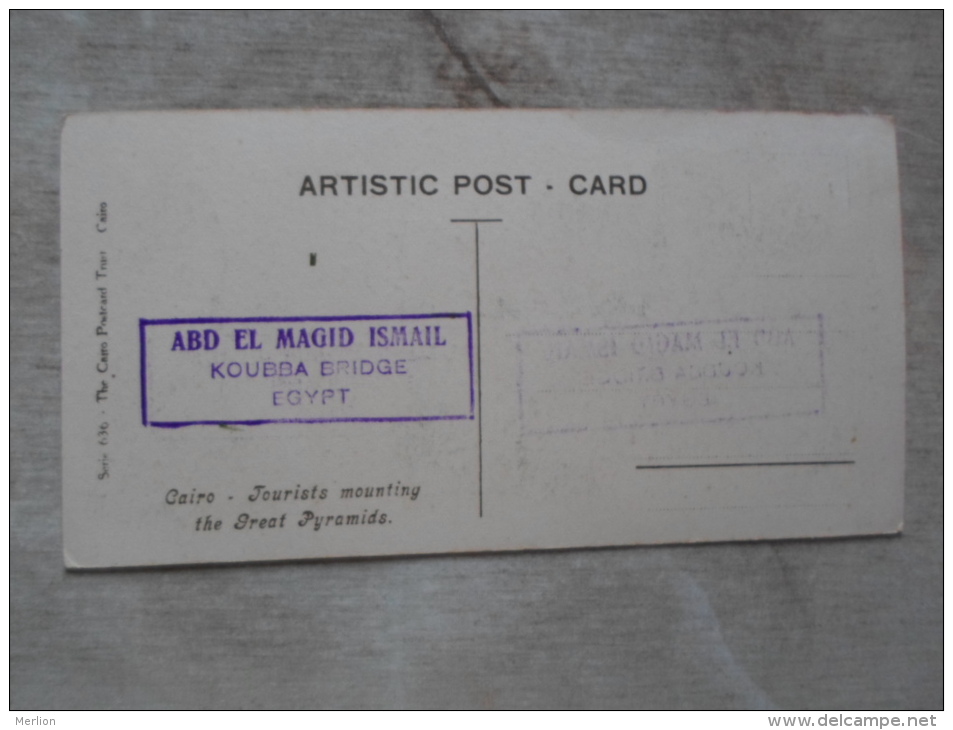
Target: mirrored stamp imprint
[(678, 373)]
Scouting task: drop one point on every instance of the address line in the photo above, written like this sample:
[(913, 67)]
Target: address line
[(745, 463)]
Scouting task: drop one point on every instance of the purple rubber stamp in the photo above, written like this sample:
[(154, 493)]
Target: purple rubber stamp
[(258, 370)]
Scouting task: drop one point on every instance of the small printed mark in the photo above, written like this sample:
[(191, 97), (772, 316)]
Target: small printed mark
[(314, 259)]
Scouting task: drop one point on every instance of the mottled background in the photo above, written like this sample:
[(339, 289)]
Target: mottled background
[(853, 623)]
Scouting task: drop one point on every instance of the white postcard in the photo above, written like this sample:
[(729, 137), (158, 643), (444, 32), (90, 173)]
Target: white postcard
[(317, 334)]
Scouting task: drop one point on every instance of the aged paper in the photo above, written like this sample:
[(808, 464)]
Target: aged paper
[(309, 334)]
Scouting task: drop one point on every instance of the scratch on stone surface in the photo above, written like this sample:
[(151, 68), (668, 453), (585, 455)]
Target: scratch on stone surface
[(475, 78), (700, 626), (789, 578), (919, 136)]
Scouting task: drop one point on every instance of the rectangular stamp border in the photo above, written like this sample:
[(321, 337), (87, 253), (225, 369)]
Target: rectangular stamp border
[(143, 379), (818, 319)]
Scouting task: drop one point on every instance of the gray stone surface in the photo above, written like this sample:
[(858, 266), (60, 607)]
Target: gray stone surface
[(853, 623)]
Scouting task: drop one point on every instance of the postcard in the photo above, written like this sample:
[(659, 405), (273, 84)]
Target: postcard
[(319, 334)]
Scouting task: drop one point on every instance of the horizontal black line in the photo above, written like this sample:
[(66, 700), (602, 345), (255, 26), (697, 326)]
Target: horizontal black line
[(476, 220), (748, 463)]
